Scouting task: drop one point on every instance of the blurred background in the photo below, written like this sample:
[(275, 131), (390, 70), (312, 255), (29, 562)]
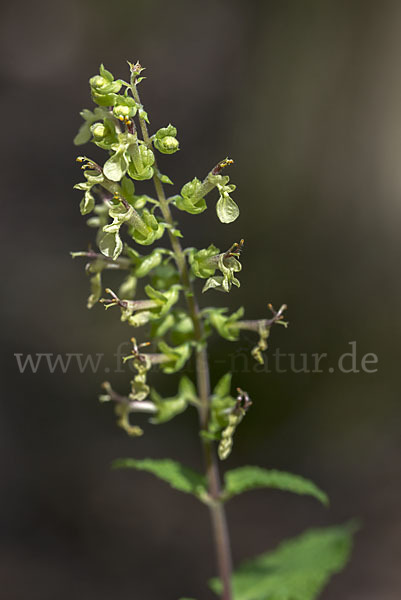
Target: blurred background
[(306, 97)]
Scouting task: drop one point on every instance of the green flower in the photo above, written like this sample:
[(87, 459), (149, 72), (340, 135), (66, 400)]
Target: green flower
[(226, 208), (205, 262)]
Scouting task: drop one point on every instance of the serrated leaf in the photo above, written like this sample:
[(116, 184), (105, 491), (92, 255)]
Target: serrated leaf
[(297, 570), (248, 478), (177, 475)]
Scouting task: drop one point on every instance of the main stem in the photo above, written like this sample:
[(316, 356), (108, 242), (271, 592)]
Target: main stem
[(217, 512)]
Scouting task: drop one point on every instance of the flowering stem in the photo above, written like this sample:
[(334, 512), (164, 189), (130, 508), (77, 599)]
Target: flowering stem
[(118, 263), (256, 325), (218, 517)]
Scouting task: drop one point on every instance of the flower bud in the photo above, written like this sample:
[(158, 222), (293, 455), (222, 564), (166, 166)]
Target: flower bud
[(124, 107), (165, 140), (121, 111), (98, 82), (98, 131), (167, 145), (104, 88)]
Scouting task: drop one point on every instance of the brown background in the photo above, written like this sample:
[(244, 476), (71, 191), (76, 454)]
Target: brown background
[(306, 96)]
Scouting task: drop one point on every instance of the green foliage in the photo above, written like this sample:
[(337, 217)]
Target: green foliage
[(225, 325), (180, 478), (84, 134), (250, 478), (168, 408), (177, 356), (175, 328), (204, 263), (297, 570)]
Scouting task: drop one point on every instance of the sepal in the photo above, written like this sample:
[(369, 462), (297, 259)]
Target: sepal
[(177, 356), (142, 159), (225, 325), (190, 200), (168, 408)]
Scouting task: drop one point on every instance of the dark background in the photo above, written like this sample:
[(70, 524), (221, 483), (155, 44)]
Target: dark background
[(306, 96)]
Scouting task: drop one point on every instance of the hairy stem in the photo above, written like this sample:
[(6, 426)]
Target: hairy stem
[(218, 517)]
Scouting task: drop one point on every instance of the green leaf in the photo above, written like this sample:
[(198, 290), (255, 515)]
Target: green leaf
[(297, 570), (177, 475), (250, 478)]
